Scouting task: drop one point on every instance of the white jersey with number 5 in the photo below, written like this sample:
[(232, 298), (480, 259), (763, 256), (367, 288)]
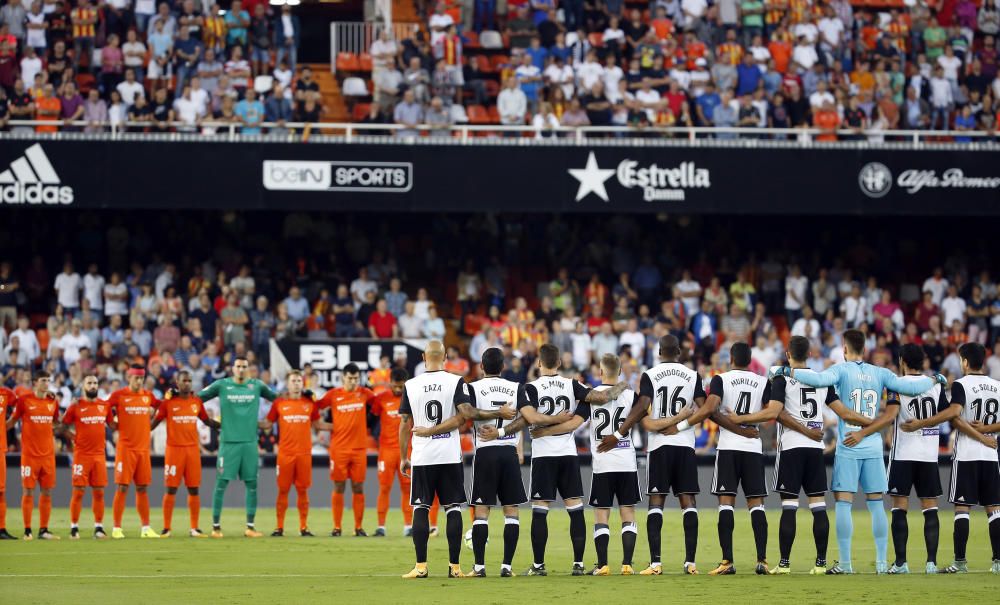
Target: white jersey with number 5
[(490, 394), (552, 395), (979, 396), (921, 445), (670, 387), (742, 392), (806, 405), (429, 399), (604, 420)]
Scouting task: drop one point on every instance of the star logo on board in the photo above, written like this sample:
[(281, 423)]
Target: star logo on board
[(591, 179)]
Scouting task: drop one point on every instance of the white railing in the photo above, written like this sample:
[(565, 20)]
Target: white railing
[(500, 134), (357, 37)]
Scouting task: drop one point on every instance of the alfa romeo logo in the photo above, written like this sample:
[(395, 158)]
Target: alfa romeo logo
[(875, 179)]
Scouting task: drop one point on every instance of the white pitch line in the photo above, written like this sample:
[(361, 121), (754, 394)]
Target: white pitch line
[(190, 576)]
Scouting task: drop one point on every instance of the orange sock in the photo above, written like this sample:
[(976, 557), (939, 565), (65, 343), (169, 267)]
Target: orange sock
[(194, 509), (404, 494), (3, 510), (168, 509), (281, 506), (382, 504), (118, 508), (75, 506), (142, 505), (44, 509), (358, 504), (302, 502), (27, 504), (97, 504), (337, 504)]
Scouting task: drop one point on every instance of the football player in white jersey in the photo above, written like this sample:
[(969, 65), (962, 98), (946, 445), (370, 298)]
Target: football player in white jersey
[(615, 473), (975, 470), (435, 404), (496, 469), (739, 460), (666, 393), (555, 466), (799, 464)]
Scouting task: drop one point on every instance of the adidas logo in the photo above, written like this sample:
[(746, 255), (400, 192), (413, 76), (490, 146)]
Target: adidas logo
[(654, 490), (32, 180), (417, 501), (893, 489), (722, 487), (961, 498), (537, 495), (782, 486), (479, 500)]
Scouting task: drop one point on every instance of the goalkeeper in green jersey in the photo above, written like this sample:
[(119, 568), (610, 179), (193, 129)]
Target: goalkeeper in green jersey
[(239, 402)]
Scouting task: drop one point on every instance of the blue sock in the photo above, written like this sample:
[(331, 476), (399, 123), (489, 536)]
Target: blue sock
[(845, 531), (880, 528)]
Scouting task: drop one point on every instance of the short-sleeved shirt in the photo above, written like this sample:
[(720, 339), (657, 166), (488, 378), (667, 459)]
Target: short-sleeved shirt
[(386, 407), (742, 392), (37, 415), (552, 395), (133, 410), (920, 445), (182, 415), (429, 399), (604, 420), (294, 418), (670, 387), (349, 414), (806, 405), (7, 399), (979, 396), (88, 419)]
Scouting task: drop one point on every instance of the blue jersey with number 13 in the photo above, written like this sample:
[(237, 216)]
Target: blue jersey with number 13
[(859, 385)]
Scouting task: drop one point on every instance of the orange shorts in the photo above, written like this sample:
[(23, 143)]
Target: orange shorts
[(40, 471), (348, 464), (132, 467), (90, 471), (294, 469), (182, 462), (388, 469)]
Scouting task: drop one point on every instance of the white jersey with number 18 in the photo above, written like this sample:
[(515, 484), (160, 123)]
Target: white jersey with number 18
[(979, 396)]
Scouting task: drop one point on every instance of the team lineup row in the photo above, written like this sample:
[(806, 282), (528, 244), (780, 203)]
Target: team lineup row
[(671, 400)]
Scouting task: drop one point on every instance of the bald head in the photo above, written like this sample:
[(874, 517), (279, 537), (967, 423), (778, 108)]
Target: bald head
[(434, 355)]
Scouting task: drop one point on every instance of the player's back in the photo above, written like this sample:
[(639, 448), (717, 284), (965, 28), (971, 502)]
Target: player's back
[(806, 405), (552, 395), (921, 445), (670, 387), (429, 399), (490, 394), (742, 392), (88, 419), (605, 419), (133, 410), (980, 396), (860, 386)]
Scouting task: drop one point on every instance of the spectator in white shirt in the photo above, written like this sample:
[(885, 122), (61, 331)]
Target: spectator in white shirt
[(937, 285), (74, 340), (690, 291), (950, 65), (941, 100), (361, 286), (129, 88), (589, 72), (582, 346), (796, 286), (410, 326), (439, 23), (545, 121), (67, 286), (115, 296), (953, 307), (93, 288), (804, 55), (27, 339), (807, 325), (821, 97), (634, 338), (511, 103), (852, 308), (163, 280)]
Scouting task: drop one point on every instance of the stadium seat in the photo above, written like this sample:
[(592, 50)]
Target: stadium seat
[(458, 114), (484, 65), (494, 114), (471, 39), (85, 82), (355, 87), (263, 84), (498, 61), (347, 62), (365, 62), (478, 115), (492, 89), (43, 340), (490, 39), (360, 111), (596, 39)]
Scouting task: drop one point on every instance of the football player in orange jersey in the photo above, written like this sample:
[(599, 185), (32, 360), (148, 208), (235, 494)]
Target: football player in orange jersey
[(386, 409), (295, 413), (38, 412), (88, 418), (182, 410), (132, 407), (348, 445), (7, 398)]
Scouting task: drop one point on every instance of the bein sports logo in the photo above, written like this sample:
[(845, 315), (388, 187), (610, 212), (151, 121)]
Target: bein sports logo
[(385, 177), (31, 179)]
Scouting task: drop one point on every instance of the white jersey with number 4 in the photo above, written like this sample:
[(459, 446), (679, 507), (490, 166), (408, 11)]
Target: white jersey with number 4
[(671, 387), (552, 395), (490, 394), (979, 396), (742, 392), (921, 445), (429, 399), (604, 420), (806, 405)]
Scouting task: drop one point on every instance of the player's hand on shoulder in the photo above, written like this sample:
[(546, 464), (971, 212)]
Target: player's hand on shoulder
[(488, 432), (507, 411), (941, 379), (308, 394), (775, 371)]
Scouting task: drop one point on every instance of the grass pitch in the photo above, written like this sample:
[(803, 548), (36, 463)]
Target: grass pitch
[(366, 570)]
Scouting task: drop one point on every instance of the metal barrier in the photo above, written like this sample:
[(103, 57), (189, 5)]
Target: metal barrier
[(357, 37), (466, 134)]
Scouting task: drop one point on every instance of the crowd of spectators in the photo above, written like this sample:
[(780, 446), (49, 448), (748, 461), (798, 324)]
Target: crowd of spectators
[(158, 66), (617, 293), (867, 67)]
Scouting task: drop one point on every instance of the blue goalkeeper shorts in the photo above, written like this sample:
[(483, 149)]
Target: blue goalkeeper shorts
[(849, 473)]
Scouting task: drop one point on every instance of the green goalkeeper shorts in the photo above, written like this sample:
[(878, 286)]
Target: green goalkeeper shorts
[(238, 460)]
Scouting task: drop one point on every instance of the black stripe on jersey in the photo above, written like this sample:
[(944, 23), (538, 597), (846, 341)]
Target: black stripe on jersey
[(716, 387), (958, 393), (404, 405), (528, 396), (646, 386), (580, 391), (462, 391), (942, 401), (778, 388), (583, 410)]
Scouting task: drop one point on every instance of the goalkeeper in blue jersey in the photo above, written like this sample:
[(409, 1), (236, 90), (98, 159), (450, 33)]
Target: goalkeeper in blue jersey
[(858, 460)]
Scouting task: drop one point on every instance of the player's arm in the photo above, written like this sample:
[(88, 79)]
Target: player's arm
[(209, 392), (405, 429), (266, 392), (962, 426), (161, 414), (910, 388), (786, 420), (602, 397), (528, 406), (15, 416), (455, 422), (581, 415), (826, 378), (317, 421), (881, 421), (848, 415), (986, 428), (489, 432)]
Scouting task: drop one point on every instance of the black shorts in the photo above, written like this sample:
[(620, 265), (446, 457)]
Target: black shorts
[(975, 482), (672, 467), (905, 475), (555, 473), (446, 481), (799, 469), (496, 473), (605, 487), (734, 468)]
